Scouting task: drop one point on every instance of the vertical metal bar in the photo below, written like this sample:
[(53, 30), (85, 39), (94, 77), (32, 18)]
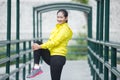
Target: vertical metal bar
[(106, 37), (113, 62), (40, 26), (106, 58), (101, 34), (8, 35), (33, 22), (94, 75), (97, 22), (37, 26), (107, 17), (17, 35), (29, 69), (97, 34), (89, 26), (90, 36), (17, 20), (97, 28), (90, 30), (41, 32), (24, 60), (94, 61)]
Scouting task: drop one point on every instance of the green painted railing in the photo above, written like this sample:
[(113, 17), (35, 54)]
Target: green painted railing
[(13, 57), (14, 51), (103, 53)]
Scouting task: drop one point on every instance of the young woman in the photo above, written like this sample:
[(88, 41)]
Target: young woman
[(54, 51)]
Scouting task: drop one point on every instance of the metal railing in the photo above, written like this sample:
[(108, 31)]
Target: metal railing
[(13, 57), (103, 53), (103, 65), (14, 52)]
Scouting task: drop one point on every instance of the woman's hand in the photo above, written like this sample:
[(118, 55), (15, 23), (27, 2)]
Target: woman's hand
[(36, 46)]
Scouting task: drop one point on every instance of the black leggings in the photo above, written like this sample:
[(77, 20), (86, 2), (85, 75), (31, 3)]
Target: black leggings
[(56, 62)]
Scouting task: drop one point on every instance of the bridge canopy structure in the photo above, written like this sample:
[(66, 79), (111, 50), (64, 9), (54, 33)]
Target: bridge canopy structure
[(39, 10)]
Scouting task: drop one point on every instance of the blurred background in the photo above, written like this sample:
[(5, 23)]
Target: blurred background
[(77, 21)]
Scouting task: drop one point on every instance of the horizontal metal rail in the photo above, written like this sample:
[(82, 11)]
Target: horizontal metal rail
[(13, 57), (113, 69), (109, 44)]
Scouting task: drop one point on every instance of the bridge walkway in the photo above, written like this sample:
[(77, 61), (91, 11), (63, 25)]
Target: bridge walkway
[(73, 70)]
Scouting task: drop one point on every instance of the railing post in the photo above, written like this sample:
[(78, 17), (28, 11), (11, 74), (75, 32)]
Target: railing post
[(40, 26), (101, 34), (37, 25), (24, 60), (97, 34), (17, 35), (113, 62), (33, 22), (106, 37), (90, 36), (8, 35), (29, 69)]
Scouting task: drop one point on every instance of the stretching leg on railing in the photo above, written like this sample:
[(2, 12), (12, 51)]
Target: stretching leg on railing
[(56, 63)]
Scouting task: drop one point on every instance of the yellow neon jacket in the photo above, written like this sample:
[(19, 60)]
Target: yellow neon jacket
[(59, 37)]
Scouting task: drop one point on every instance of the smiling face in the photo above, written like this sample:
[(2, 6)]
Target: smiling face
[(61, 18)]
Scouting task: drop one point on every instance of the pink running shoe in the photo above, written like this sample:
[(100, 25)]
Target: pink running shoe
[(35, 72)]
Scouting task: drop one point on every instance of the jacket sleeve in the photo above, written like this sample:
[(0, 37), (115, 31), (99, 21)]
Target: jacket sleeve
[(62, 35)]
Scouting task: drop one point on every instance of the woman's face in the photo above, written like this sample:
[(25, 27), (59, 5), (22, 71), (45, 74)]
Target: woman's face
[(61, 18)]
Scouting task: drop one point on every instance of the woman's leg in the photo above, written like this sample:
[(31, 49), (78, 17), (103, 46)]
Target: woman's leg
[(36, 54), (45, 54), (56, 66)]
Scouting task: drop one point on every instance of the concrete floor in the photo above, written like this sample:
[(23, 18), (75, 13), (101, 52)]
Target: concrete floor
[(73, 70)]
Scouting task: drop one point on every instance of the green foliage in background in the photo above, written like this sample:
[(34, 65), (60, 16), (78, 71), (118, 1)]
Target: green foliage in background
[(80, 52), (76, 57), (81, 1)]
